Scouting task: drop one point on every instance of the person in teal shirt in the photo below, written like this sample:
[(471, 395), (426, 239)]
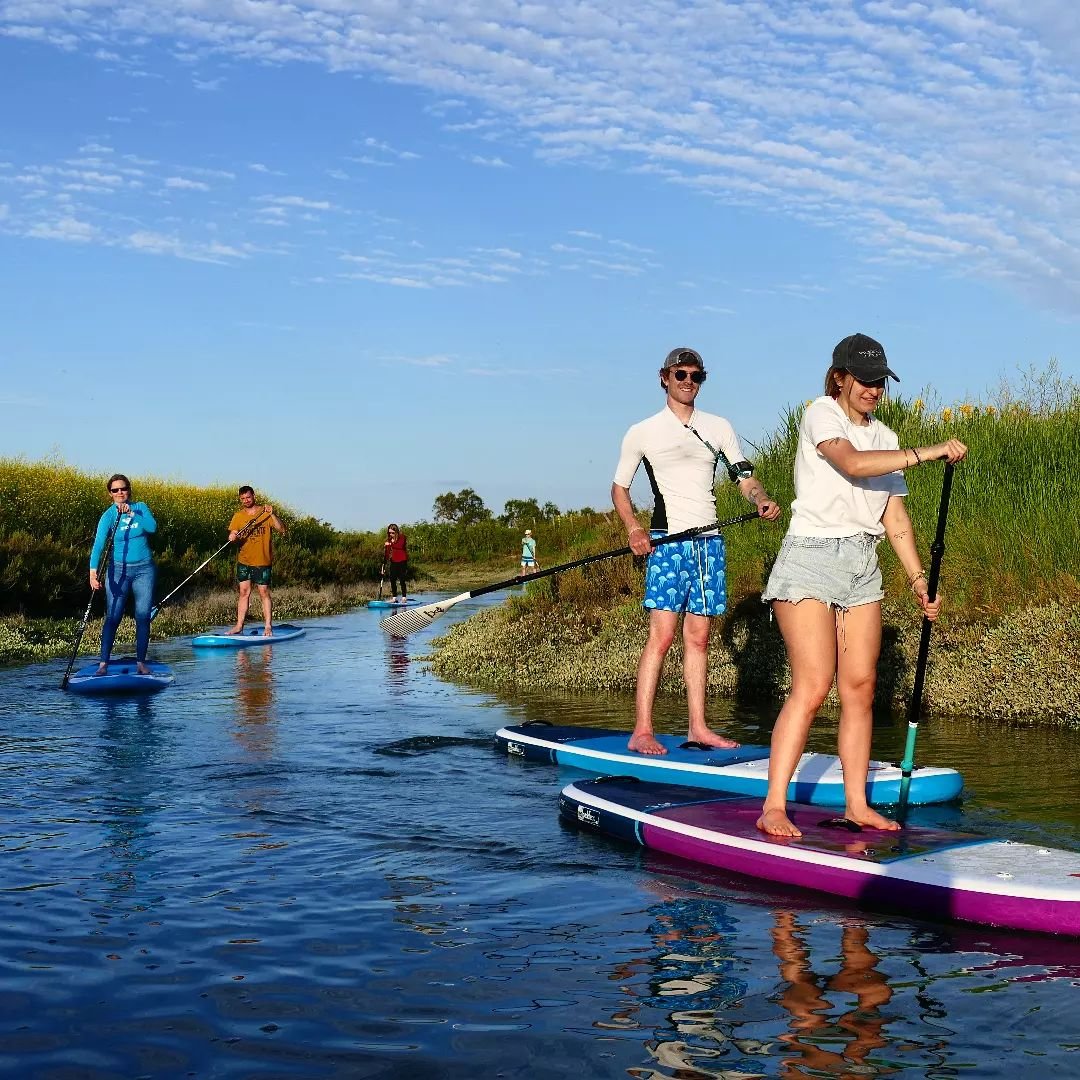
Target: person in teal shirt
[(130, 569), (529, 565)]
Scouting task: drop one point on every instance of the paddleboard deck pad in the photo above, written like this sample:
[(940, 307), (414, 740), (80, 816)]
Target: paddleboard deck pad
[(122, 678), (924, 872), (390, 603), (282, 632), (818, 778)]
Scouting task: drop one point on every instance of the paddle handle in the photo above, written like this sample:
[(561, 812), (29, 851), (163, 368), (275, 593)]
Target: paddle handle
[(686, 534)]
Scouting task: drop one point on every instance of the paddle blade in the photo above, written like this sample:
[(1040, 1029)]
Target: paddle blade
[(411, 620)]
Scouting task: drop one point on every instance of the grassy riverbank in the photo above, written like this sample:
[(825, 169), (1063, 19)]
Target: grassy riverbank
[(1007, 647)]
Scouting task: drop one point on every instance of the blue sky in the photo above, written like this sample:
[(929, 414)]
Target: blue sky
[(361, 253)]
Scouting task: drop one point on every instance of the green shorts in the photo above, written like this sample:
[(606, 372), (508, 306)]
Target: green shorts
[(257, 575)]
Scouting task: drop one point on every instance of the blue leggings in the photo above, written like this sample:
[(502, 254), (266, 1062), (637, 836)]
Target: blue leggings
[(137, 579)]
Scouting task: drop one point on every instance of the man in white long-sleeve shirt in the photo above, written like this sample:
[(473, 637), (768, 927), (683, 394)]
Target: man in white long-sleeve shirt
[(680, 448)]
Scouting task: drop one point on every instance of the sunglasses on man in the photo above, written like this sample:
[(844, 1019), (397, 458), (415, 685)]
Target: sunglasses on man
[(694, 376)]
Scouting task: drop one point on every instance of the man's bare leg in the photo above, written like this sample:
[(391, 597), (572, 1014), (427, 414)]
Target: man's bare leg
[(662, 627), (241, 607), (695, 671)]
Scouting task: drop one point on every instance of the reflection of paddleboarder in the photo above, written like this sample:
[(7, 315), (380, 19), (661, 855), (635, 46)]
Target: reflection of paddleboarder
[(858, 1031), (254, 558)]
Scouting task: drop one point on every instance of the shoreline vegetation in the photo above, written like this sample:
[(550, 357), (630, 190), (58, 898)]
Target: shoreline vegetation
[(1005, 648)]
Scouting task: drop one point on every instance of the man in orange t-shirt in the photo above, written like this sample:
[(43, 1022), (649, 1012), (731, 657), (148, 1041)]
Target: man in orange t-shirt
[(255, 556)]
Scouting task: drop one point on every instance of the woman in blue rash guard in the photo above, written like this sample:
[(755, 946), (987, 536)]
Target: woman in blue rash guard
[(130, 568)]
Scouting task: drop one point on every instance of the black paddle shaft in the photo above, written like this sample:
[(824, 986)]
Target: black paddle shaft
[(937, 553), (686, 534)]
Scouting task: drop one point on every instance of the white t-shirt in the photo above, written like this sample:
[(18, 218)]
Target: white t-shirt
[(679, 465), (828, 502)]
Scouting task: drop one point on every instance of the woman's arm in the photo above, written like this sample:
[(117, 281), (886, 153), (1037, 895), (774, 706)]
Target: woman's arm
[(864, 463), (146, 518), (901, 534)]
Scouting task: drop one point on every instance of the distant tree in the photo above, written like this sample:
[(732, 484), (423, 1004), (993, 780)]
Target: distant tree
[(550, 511), (519, 513), (464, 507)]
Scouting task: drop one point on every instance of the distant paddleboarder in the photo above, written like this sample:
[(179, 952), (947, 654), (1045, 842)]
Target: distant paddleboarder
[(529, 565), (396, 560), (130, 568), (255, 557), (681, 448)]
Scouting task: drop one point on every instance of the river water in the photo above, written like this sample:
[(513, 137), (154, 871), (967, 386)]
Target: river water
[(308, 861)]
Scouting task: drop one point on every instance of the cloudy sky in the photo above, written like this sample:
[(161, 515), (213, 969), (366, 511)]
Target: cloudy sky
[(361, 252)]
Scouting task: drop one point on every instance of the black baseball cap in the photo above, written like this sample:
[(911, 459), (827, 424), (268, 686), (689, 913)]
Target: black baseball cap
[(864, 358), (683, 355)]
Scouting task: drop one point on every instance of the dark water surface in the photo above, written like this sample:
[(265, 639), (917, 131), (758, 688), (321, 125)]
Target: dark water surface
[(307, 861)]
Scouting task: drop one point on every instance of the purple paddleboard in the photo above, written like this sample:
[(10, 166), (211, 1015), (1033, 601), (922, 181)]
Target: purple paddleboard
[(927, 872)]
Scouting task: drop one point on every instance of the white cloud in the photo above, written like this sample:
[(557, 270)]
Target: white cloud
[(952, 127), (184, 183)]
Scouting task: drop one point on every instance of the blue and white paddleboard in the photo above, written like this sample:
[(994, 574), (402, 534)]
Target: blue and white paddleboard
[(222, 640), (390, 603), (122, 678), (818, 778)]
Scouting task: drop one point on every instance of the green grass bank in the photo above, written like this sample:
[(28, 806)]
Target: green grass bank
[(1007, 646)]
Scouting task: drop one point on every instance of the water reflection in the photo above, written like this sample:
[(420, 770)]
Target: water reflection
[(397, 664), (131, 780), (818, 1043), (255, 718)]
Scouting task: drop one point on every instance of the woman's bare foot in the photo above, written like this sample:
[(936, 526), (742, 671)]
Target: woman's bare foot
[(102, 669), (871, 819), (141, 668), (707, 737), (776, 823), (646, 743)]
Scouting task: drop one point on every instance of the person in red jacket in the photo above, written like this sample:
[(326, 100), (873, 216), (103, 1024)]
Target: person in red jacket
[(396, 559)]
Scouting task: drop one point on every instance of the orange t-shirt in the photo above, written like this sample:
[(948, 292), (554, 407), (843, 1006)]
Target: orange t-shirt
[(255, 550)]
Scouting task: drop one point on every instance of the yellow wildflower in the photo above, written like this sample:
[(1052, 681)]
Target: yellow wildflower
[(918, 404), (946, 415), (966, 410)]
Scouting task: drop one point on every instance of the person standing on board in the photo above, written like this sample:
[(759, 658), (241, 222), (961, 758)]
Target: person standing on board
[(255, 557), (680, 448), (529, 565), (825, 586), (396, 559), (130, 570)]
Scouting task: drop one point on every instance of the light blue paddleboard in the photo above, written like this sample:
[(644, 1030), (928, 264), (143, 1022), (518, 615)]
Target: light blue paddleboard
[(282, 632), (122, 678), (818, 778), (390, 603)]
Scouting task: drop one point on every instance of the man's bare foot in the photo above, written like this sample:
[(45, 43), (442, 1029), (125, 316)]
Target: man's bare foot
[(235, 630), (646, 743), (141, 668), (871, 819), (268, 631), (102, 669), (709, 738), (776, 823)]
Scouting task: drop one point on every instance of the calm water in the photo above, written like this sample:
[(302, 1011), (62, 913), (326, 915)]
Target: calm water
[(307, 861)]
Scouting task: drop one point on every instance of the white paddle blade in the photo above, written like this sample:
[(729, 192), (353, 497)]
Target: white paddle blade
[(410, 620)]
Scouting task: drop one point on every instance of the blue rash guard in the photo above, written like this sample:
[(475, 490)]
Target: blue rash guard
[(130, 544)]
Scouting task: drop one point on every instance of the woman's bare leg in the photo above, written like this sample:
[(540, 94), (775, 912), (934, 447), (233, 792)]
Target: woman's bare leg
[(858, 646), (809, 630)]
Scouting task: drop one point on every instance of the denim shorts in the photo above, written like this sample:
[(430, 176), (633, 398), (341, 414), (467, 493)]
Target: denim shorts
[(686, 576), (842, 571)]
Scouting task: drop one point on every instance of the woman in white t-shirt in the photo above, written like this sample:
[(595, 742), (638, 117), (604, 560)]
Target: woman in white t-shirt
[(825, 587)]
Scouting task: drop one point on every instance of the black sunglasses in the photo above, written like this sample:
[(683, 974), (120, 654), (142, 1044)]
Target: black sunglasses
[(694, 376), (116, 491)]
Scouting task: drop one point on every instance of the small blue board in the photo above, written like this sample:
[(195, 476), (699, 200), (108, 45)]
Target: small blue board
[(390, 603), (122, 678), (222, 640)]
